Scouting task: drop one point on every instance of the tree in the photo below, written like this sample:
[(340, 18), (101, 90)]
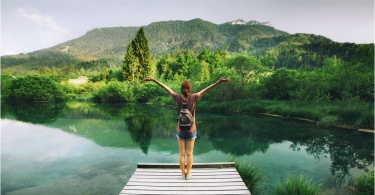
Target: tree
[(142, 52), (137, 61), (163, 68), (246, 66), (280, 84), (104, 74), (214, 59), (130, 64)]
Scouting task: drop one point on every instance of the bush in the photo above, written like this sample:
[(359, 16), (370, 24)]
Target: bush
[(363, 184), (144, 92), (297, 185), (6, 82), (115, 92), (225, 91), (36, 88)]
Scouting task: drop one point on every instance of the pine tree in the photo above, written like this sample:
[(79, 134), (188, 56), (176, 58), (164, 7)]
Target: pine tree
[(104, 74), (137, 60), (130, 64)]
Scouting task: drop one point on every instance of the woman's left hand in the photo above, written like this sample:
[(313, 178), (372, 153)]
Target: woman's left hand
[(224, 79), (148, 79)]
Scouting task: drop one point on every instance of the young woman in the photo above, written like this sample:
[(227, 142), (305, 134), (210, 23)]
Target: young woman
[(186, 137)]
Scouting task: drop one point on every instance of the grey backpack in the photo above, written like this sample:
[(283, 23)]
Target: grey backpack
[(185, 117)]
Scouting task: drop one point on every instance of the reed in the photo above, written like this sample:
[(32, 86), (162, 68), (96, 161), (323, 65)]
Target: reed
[(251, 175), (297, 185)]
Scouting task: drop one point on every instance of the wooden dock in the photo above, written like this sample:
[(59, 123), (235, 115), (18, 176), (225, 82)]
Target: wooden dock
[(207, 178)]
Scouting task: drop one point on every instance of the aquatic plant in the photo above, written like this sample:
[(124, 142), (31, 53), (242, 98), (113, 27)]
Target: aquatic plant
[(251, 175), (297, 185)]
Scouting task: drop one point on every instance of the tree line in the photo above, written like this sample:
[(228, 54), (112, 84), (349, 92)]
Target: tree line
[(320, 72), (343, 74)]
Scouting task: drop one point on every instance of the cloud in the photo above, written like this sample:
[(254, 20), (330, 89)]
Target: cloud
[(44, 21), (48, 31)]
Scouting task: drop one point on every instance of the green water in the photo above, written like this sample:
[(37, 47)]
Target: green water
[(88, 148)]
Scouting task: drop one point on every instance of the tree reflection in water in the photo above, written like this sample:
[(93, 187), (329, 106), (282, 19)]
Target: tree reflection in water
[(33, 112), (140, 128), (245, 135), (231, 134)]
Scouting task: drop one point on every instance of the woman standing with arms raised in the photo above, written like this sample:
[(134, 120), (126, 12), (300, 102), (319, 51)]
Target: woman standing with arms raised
[(186, 137)]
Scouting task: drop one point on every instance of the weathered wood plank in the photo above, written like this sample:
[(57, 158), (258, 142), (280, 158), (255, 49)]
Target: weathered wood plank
[(179, 180), (195, 165), (135, 183), (186, 188), (194, 172), (238, 192), (179, 176), (143, 170)]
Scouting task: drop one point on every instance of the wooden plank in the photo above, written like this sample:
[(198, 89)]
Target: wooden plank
[(187, 188), (134, 183), (179, 176), (179, 180), (238, 192), (143, 170), (223, 173), (195, 165)]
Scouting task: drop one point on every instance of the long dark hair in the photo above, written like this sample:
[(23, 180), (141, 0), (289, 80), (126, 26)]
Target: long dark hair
[(186, 88)]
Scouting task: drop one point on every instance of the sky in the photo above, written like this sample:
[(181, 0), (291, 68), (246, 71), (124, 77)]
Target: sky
[(30, 25)]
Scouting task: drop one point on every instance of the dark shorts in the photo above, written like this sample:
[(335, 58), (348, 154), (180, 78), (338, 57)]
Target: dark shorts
[(186, 136)]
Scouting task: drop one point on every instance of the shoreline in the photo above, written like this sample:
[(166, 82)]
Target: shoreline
[(312, 121), (327, 114), (233, 110)]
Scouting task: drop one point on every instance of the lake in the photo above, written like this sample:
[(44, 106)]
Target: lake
[(93, 148)]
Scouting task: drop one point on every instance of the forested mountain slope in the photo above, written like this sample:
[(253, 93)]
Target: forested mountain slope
[(272, 46)]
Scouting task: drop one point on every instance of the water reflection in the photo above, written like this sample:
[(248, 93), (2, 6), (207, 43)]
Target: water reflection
[(36, 113), (141, 125), (140, 128)]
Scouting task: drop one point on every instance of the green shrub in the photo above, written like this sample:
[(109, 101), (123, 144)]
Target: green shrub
[(115, 92), (363, 184), (6, 82), (144, 92), (36, 88), (297, 185)]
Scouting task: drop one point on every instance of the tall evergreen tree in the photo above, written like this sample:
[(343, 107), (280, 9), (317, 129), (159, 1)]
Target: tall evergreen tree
[(130, 64), (137, 60)]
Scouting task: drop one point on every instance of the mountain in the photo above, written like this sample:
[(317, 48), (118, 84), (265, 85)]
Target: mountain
[(163, 37), (241, 37)]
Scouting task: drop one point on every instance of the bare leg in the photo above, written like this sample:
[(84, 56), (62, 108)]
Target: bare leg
[(181, 158), (190, 148)]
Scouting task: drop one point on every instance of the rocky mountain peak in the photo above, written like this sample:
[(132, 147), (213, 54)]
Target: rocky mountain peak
[(251, 22)]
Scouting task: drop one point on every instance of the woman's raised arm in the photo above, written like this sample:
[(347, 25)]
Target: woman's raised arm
[(203, 91), (169, 90)]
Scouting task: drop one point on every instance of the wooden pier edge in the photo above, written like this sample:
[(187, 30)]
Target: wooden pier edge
[(217, 165)]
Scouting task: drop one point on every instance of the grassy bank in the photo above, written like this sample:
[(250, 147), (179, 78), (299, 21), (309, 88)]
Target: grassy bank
[(358, 115)]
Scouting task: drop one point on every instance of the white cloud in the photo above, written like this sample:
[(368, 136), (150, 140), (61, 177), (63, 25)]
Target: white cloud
[(48, 31), (44, 21)]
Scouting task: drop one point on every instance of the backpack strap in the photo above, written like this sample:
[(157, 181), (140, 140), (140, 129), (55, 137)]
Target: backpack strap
[(188, 102), (187, 106)]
